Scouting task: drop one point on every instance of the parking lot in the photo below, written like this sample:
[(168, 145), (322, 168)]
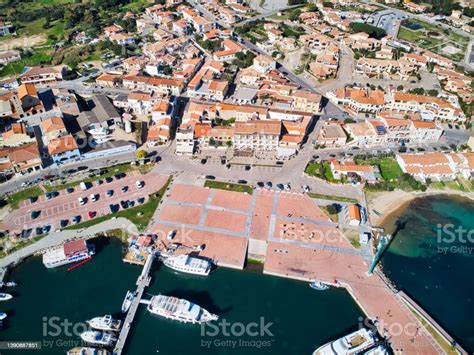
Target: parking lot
[(388, 20), (44, 215)]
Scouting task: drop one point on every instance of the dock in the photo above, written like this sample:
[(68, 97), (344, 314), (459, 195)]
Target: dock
[(143, 282)]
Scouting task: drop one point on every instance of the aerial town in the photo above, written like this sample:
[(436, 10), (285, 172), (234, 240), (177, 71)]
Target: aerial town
[(299, 141)]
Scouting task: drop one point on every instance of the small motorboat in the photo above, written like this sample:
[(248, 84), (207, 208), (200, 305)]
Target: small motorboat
[(127, 302), (10, 284), (318, 285), (5, 296), (3, 315)]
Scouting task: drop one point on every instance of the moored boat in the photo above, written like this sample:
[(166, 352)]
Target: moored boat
[(318, 285), (354, 343), (105, 323), (127, 302), (188, 264), (179, 309), (70, 252), (3, 315), (5, 296), (98, 337), (87, 351)]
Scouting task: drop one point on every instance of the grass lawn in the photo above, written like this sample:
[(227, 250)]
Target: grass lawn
[(389, 168), (14, 200), (139, 215), (333, 198), (39, 56), (418, 37), (333, 216), (322, 171), (228, 186)]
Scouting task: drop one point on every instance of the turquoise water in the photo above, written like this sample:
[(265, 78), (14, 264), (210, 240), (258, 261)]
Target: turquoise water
[(436, 270), (297, 319)]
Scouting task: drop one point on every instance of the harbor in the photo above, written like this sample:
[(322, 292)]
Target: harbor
[(216, 293)]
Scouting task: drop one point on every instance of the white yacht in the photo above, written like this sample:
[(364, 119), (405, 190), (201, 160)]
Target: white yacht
[(179, 309), (98, 337), (354, 343), (5, 296), (189, 264), (105, 323)]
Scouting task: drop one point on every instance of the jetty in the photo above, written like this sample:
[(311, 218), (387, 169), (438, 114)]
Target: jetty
[(143, 282)]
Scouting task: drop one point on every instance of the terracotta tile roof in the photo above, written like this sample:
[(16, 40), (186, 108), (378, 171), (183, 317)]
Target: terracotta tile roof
[(52, 124), (62, 144), (258, 126)]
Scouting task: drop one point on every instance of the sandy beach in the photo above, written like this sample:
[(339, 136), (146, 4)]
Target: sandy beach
[(382, 204)]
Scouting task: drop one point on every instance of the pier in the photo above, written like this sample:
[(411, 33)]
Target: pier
[(143, 281)]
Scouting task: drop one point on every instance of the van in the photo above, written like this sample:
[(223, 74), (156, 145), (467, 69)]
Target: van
[(83, 186)]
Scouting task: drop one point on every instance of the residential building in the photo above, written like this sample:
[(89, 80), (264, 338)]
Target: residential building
[(63, 149)]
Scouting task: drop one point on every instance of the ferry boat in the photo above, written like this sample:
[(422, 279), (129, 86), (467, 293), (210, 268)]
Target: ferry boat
[(179, 309), (188, 264), (5, 296), (354, 343), (70, 252), (105, 323), (3, 315), (98, 337), (318, 285), (127, 302), (87, 351)]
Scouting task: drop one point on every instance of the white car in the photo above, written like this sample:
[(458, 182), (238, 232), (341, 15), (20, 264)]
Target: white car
[(287, 187), (93, 197), (140, 184), (171, 235), (82, 201), (306, 188)]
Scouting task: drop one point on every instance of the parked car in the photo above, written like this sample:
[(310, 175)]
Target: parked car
[(140, 184), (244, 182), (33, 199), (70, 190), (91, 214), (76, 219), (35, 214), (171, 234), (94, 197), (82, 201), (260, 184), (109, 179), (280, 187), (124, 189), (269, 184), (63, 223), (110, 193), (210, 177), (141, 200)]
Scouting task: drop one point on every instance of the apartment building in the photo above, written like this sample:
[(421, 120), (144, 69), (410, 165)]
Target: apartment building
[(257, 135)]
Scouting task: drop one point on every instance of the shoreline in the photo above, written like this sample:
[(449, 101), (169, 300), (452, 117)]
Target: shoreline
[(388, 203)]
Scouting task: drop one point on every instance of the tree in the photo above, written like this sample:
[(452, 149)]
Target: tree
[(332, 209), (141, 154)]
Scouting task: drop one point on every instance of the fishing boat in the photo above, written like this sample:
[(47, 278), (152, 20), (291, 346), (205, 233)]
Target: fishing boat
[(318, 285)]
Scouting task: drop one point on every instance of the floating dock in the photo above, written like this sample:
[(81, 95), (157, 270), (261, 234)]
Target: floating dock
[(143, 281)]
